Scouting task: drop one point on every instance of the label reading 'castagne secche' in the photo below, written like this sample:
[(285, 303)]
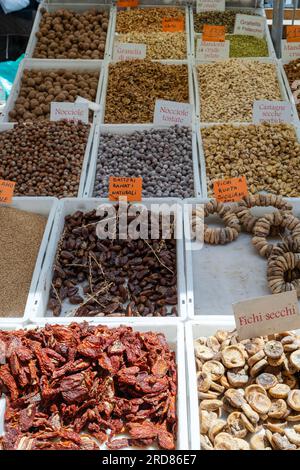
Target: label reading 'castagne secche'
[(267, 315), (69, 112), (273, 112), (129, 51), (171, 112), (250, 25)]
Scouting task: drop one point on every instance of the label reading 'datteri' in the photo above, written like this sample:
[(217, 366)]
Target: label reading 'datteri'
[(273, 112), (131, 188), (212, 50), (171, 112), (290, 50), (231, 189), (210, 5), (250, 25), (6, 191), (129, 51), (267, 315), (69, 112)]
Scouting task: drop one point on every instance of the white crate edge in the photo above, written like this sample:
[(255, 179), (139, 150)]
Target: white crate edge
[(27, 203), (128, 129), (69, 205), (174, 328), (80, 6)]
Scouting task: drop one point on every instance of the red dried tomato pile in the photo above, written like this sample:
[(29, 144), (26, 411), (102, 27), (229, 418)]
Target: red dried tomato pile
[(70, 386)]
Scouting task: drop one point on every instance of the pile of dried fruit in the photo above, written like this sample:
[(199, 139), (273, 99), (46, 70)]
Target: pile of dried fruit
[(218, 18), (161, 46), (117, 277), (44, 158), (134, 86), (292, 70), (66, 34), (76, 387), (249, 391), (146, 19)]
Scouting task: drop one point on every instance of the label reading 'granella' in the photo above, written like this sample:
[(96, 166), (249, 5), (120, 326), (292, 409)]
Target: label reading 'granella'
[(250, 25), (69, 112), (129, 51), (267, 315), (172, 112)]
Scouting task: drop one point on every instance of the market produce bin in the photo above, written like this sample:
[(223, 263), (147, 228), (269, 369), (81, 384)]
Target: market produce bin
[(290, 92), (70, 206)]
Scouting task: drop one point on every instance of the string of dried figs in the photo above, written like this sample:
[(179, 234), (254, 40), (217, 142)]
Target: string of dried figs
[(66, 34), (78, 386), (113, 277), (284, 273), (44, 158), (249, 391), (219, 235), (40, 87)]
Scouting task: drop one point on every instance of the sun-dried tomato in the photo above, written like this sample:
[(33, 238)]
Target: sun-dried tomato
[(78, 386)]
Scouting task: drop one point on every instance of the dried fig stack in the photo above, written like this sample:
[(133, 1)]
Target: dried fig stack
[(249, 391)]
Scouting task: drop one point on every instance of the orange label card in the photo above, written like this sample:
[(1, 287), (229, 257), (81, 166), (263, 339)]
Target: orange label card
[(120, 186), (231, 190), (127, 3), (213, 33), (293, 33), (172, 25), (6, 191)]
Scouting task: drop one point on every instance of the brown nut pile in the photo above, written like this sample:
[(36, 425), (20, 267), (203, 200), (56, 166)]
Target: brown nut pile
[(134, 86), (66, 34), (113, 277), (218, 18), (44, 158), (145, 19), (228, 89), (249, 391), (292, 70), (267, 154), (159, 45), (39, 88)]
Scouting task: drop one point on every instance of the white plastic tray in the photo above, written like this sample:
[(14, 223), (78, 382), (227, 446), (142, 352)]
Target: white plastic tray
[(258, 11), (218, 276), (46, 206), (266, 60), (281, 63), (114, 34), (86, 158), (49, 64), (70, 5), (202, 154), (101, 114), (128, 129), (71, 205), (174, 332)]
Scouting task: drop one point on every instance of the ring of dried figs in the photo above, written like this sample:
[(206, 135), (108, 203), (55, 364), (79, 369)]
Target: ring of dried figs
[(282, 271), (221, 235)]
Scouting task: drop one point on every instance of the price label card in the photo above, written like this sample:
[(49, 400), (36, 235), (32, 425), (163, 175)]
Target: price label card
[(6, 191), (267, 315), (231, 189), (212, 50), (210, 5), (129, 51), (171, 112), (290, 50), (250, 25), (293, 33), (172, 25), (125, 187), (273, 112), (69, 111), (127, 3), (213, 33)]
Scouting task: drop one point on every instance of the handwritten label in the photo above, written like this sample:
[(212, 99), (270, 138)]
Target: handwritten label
[(273, 112), (212, 50), (250, 25), (210, 5), (125, 187), (127, 3), (129, 51), (213, 33), (69, 111), (231, 189), (290, 50), (267, 315), (171, 112), (172, 25), (6, 191), (293, 33)]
